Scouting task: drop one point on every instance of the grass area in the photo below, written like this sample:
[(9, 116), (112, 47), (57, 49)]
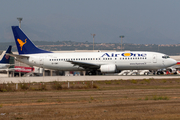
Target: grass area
[(96, 85)]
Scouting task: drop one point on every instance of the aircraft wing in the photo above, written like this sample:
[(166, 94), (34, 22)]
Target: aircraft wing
[(9, 69), (17, 56), (4, 70), (85, 65)]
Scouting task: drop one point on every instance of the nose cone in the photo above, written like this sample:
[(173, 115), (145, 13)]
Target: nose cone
[(169, 62), (172, 62)]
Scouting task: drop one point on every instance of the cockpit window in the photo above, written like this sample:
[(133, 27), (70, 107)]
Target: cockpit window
[(165, 57)]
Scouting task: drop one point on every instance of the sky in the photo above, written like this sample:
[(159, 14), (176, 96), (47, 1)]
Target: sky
[(140, 21)]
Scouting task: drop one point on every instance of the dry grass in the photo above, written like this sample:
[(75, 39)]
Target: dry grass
[(125, 100)]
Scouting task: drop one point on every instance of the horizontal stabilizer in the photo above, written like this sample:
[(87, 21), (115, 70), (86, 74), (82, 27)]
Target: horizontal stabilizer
[(17, 56)]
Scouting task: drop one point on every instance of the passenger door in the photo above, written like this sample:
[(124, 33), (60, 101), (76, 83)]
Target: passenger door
[(41, 61), (154, 58)]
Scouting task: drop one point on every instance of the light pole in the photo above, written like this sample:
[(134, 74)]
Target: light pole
[(93, 39), (19, 19), (122, 36)]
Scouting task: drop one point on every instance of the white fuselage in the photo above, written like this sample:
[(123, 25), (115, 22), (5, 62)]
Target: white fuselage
[(137, 60)]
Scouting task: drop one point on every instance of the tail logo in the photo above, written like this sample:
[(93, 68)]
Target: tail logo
[(21, 43), (7, 56)]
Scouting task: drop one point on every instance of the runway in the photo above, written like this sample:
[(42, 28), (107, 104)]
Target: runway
[(79, 78)]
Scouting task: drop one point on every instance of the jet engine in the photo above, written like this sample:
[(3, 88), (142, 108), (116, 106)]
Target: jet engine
[(111, 68)]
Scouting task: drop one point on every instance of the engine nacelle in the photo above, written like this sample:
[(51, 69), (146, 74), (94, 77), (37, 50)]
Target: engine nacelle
[(172, 70), (108, 68)]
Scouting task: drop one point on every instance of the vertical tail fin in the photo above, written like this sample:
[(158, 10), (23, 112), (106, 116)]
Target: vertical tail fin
[(6, 58), (23, 43)]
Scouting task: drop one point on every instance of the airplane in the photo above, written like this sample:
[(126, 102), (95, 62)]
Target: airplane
[(4, 63), (105, 62)]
